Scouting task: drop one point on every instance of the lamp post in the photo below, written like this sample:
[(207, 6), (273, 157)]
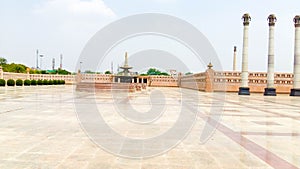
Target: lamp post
[(41, 56), (37, 59), (80, 63)]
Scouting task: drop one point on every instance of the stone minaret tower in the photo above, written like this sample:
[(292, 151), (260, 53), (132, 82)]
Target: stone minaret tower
[(270, 90), (296, 88), (244, 89)]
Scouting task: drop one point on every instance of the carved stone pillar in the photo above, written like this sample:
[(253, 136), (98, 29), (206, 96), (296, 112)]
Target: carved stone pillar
[(296, 87), (244, 89), (209, 79), (270, 90)]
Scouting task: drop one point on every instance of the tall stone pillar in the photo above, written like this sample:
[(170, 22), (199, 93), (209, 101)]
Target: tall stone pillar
[(234, 59), (296, 88), (244, 89), (270, 90)]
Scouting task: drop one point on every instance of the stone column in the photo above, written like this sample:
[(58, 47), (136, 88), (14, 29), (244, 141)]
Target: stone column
[(1, 72), (270, 90), (296, 88), (78, 77), (234, 59), (209, 78), (28, 73), (179, 79), (244, 89)]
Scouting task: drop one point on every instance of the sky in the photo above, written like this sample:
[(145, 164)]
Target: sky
[(64, 27)]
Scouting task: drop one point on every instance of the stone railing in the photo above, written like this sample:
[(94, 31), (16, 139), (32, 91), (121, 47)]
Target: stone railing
[(69, 79), (194, 81), (162, 81), (230, 81), (96, 78)]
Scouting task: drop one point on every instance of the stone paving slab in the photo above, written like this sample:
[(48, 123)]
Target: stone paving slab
[(39, 128)]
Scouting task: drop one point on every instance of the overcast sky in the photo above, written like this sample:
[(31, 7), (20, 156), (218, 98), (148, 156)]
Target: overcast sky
[(64, 27)]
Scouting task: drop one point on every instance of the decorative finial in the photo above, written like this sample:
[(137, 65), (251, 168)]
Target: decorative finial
[(272, 19), (246, 17), (209, 65), (297, 20)]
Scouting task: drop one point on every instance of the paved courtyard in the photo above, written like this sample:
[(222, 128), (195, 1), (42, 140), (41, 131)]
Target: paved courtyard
[(39, 128)]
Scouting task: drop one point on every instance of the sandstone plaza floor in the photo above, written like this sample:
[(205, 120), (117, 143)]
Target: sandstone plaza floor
[(39, 128)]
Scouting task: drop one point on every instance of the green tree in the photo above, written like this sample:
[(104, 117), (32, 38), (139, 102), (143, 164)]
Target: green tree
[(16, 68), (20, 68), (153, 71), (63, 72), (164, 74), (31, 71), (3, 61), (89, 72), (188, 73), (44, 72), (107, 72)]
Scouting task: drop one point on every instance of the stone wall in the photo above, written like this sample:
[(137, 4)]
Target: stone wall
[(208, 81), (96, 78), (230, 81), (69, 79), (162, 81)]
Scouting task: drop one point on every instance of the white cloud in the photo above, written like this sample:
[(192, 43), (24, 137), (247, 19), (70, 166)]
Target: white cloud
[(165, 1), (71, 16), (64, 26), (95, 6), (77, 7)]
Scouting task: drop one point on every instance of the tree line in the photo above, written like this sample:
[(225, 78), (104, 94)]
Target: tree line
[(20, 68)]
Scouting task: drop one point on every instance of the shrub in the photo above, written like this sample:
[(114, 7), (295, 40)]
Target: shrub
[(45, 82), (40, 82), (55, 82), (19, 82), (27, 82), (50, 82), (11, 82), (33, 83), (2, 82), (59, 82)]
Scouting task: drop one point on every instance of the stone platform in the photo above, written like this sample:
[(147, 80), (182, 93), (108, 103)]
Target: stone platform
[(39, 129)]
